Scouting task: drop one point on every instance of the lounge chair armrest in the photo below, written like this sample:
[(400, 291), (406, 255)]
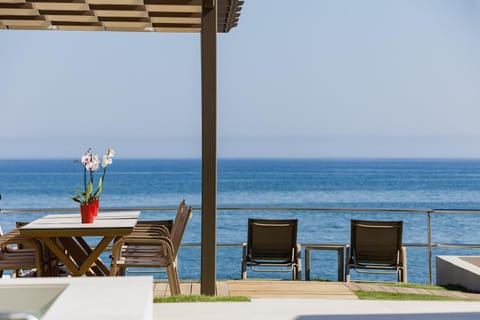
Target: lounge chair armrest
[(298, 249), (244, 251), (403, 256), (348, 252)]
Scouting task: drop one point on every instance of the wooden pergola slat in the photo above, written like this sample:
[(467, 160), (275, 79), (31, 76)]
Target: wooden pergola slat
[(207, 17), (153, 15)]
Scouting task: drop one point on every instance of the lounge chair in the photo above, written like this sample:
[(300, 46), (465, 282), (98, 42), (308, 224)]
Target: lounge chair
[(152, 248), (376, 247), (272, 245)]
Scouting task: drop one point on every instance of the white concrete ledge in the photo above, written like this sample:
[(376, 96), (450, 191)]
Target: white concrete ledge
[(79, 298), (455, 270)]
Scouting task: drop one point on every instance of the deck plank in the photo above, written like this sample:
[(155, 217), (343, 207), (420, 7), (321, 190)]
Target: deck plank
[(222, 288), (186, 288), (290, 289), (159, 289), (267, 289), (196, 288)]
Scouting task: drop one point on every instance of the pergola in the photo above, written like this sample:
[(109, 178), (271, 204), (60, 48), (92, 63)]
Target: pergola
[(206, 17)]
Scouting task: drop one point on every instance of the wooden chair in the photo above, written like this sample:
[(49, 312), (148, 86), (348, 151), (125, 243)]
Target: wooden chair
[(272, 244), (152, 249), (18, 253), (376, 247)]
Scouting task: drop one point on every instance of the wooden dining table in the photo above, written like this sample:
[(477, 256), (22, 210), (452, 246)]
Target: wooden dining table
[(65, 235)]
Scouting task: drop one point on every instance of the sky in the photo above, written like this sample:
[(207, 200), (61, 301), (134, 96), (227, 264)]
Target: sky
[(321, 79)]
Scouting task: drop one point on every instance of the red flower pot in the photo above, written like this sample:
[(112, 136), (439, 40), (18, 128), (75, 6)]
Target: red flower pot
[(87, 212), (96, 203)]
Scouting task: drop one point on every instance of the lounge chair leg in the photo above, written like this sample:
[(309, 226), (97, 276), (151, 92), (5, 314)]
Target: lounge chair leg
[(244, 261), (298, 262), (296, 273), (173, 280), (347, 265), (404, 265)]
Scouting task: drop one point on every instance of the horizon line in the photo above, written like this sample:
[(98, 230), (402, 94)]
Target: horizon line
[(248, 158)]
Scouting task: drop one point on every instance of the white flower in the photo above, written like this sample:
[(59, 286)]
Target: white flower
[(110, 153), (106, 161), (107, 158), (87, 157), (93, 164)]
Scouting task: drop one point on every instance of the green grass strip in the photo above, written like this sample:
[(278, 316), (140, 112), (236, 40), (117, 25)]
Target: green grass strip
[(201, 298), (407, 285), (371, 295)]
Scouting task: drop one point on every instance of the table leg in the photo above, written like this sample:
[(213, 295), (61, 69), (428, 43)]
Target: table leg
[(102, 268), (78, 255), (101, 246), (78, 261), (54, 247)]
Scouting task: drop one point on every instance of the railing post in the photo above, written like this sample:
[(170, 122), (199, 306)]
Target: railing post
[(429, 246)]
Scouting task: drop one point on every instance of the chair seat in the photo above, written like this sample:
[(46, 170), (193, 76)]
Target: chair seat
[(144, 261), (13, 261), (14, 257), (265, 260)]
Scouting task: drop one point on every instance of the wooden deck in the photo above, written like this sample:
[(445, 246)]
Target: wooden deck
[(266, 289)]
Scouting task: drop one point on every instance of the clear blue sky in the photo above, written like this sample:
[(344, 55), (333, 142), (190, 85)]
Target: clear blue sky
[(321, 78)]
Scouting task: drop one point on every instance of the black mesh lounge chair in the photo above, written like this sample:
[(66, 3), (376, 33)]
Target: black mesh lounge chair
[(272, 244), (153, 248), (376, 247)]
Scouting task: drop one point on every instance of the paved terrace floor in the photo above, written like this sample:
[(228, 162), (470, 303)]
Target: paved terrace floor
[(300, 289), (312, 300)]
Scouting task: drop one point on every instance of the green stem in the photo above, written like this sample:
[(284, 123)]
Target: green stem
[(85, 178), (104, 171)]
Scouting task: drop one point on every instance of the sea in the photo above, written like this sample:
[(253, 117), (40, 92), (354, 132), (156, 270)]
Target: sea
[(270, 183)]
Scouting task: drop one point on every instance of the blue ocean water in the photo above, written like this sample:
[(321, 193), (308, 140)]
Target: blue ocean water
[(333, 183)]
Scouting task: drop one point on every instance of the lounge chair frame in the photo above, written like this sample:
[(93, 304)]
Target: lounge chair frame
[(272, 246), (376, 248)]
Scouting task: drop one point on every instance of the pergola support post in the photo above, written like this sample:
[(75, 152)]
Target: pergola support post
[(209, 146)]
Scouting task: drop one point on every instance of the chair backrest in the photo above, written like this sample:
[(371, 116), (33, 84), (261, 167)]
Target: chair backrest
[(270, 239), (179, 211), (157, 223), (179, 225), (376, 242)]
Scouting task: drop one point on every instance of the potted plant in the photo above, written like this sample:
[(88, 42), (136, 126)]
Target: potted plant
[(89, 198)]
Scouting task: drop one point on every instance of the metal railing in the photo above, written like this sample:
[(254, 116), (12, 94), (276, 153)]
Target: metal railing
[(427, 212)]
